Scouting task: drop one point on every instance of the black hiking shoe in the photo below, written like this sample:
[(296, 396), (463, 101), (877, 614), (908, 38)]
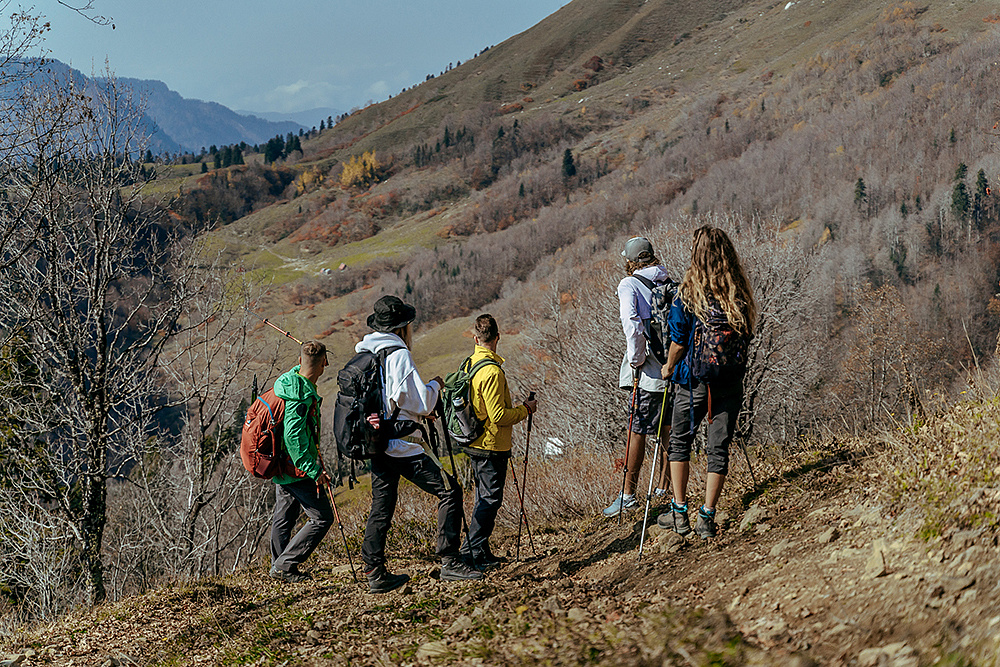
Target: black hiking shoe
[(289, 576), (484, 562), (381, 580), (675, 519), (455, 569), (705, 527)]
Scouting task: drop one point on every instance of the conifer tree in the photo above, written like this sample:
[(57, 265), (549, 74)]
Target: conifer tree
[(568, 166)]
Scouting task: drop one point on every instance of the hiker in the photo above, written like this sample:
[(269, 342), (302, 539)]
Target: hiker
[(490, 453), (300, 488), (634, 298), (405, 457), (715, 296)]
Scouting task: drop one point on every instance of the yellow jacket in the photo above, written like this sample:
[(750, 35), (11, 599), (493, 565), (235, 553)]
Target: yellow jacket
[(491, 401)]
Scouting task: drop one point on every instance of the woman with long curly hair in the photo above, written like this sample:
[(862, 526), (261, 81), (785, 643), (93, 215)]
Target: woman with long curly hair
[(711, 323)]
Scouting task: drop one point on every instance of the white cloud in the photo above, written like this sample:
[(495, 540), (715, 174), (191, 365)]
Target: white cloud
[(378, 90)]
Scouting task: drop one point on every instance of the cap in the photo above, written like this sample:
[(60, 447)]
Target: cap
[(637, 248)]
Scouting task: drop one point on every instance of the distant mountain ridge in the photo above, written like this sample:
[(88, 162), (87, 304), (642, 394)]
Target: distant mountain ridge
[(178, 124), (196, 124), (308, 118)]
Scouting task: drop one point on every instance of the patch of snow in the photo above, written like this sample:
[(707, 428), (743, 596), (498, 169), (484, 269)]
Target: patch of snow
[(789, 5)]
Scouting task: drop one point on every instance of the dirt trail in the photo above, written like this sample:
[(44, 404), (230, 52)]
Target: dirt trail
[(810, 573)]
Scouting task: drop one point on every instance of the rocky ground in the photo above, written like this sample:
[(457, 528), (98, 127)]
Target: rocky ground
[(812, 571)]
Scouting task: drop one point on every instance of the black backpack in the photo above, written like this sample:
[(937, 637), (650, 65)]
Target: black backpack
[(361, 381), (655, 328)]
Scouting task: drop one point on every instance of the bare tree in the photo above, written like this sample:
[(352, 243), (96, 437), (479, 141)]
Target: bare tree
[(87, 302), (188, 507)]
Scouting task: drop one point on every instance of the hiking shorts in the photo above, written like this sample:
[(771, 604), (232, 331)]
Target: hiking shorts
[(646, 416)]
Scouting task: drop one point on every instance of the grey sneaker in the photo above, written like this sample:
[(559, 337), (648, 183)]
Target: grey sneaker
[(456, 569), (381, 580), (705, 526), (288, 576), (675, 519), (621, 503)]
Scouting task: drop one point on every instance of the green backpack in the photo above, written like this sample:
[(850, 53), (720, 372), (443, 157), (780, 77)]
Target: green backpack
[(459, 416)]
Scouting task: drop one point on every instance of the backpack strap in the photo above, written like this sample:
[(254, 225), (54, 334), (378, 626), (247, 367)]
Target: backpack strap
[(478, 365), (270, 412), (645, 281)]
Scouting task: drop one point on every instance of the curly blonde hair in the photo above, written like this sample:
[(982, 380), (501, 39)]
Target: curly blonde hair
[(716, 275)]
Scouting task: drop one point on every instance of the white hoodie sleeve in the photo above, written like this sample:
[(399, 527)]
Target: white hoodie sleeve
[(405, 388), (635, 339)]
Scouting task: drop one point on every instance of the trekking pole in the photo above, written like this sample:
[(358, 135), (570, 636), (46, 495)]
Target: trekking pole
[(270, 324), (336, 514), (628, 441), (667, 396), (524, 516), (454, 471), (524, 487)]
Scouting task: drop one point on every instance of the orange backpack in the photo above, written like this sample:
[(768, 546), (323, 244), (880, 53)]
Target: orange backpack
[(261, 447)]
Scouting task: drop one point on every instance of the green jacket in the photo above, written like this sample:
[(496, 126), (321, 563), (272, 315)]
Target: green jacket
[(301, 425)]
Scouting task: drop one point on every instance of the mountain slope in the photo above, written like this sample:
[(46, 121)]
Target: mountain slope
[(811, 576)]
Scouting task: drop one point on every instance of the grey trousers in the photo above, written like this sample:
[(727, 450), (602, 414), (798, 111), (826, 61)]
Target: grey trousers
[(726, 402), (287, 553)]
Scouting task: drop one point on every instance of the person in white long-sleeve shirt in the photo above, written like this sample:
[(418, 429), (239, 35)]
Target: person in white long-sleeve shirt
[(643, 270), (404, 389)]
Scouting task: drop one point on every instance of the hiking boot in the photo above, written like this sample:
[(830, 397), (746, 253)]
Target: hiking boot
[(455, 569), (381, 580), (289, 576), (484, 562), (705, 527), (621, 503), (675, 519)]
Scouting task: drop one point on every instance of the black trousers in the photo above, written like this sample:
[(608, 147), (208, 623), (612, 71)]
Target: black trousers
[(491, 476), (422, 471), (287, 553)]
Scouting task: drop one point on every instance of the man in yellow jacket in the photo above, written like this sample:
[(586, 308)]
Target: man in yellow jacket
[(491, 451)]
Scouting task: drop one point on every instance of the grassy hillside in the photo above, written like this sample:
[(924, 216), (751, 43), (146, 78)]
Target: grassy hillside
[(848, 148)]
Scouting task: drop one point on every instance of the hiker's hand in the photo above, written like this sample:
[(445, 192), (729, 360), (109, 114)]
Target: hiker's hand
[(437, 378), (532, 405), (666, 371), (323, 479)]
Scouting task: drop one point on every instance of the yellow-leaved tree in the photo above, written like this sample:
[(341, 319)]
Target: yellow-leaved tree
[(360, 170)]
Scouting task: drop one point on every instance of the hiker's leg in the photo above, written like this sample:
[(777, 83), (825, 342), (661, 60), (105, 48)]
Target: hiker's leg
[(725, 409), (644, 422), (385, 491), (286, 512), (490, 475), (636, 455), (423, 472), (663, 468), (713, 489), (682, 433), (316, 506), (679, 472), (663, 432)]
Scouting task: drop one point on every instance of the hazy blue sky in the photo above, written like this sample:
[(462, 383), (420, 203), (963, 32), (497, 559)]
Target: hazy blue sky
[(286, 56)]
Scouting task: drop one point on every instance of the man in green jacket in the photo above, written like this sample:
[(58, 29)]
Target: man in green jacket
[(490, 452), (300, 488)]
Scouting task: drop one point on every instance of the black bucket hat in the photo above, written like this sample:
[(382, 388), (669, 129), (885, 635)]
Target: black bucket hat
[(390, 314)]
